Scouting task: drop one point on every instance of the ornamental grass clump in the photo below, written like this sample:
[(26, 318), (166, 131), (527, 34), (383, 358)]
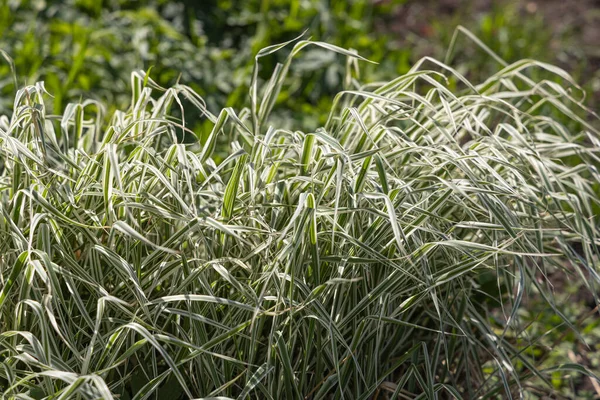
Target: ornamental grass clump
[(385, 255)]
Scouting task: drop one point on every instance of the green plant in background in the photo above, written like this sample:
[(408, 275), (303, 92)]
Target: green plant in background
[(86, 49), (349, 261), (82, 48), (79, 49)]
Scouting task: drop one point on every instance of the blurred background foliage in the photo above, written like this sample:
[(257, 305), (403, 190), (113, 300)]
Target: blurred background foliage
[(87, 48)]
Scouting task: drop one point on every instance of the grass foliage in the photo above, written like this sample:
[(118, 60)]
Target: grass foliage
[(383, 255)]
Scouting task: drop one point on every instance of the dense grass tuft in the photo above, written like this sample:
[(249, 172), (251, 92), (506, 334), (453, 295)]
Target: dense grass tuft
[(384, 255)]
